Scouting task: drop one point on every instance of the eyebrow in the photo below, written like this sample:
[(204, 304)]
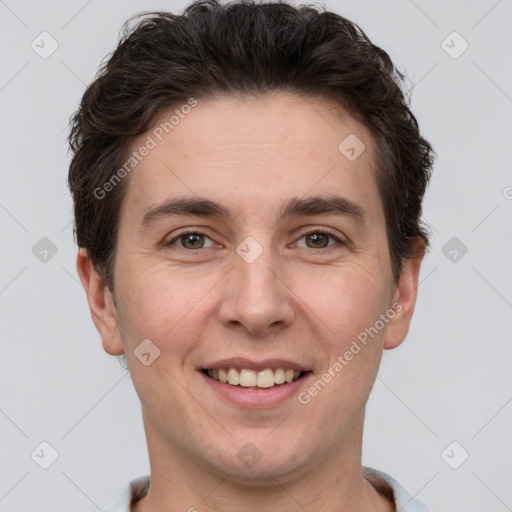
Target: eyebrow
[(294, 207)]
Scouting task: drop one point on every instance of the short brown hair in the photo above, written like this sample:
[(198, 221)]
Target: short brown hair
[(249, 48)]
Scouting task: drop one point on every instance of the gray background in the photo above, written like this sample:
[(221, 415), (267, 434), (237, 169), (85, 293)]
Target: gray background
[(451, 379)]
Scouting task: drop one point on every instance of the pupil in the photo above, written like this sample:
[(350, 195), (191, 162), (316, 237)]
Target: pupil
[(194, 239), (318, 237)]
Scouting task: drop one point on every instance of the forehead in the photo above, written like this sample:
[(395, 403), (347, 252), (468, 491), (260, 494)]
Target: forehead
[(238, 150)]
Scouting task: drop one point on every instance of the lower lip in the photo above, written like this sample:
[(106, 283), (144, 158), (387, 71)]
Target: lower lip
[(257, 398)]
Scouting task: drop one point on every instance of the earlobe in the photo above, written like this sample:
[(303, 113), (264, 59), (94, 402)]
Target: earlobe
[(101, 304), (405, 294)]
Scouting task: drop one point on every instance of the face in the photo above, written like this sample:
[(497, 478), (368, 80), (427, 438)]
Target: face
[(275, 257)]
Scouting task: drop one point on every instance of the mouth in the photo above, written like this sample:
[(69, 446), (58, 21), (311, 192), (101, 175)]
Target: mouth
[(251, 379)]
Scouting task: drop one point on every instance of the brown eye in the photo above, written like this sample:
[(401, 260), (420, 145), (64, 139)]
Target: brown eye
[(318, 240), (191, 240)]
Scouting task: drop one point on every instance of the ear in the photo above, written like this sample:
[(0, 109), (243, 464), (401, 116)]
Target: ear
[(405, 294), (101, 304)]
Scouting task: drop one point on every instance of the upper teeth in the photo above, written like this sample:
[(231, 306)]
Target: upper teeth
[(245, 377)]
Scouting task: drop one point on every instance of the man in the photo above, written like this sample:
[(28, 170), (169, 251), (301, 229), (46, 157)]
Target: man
[(248, 181)]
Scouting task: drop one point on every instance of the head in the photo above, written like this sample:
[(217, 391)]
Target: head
[(248, 125)]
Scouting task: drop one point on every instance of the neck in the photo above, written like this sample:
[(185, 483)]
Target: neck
[(181, 483)]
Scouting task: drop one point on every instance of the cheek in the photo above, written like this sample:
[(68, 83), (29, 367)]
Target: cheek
[(160, 304), (164, 307), (350, 303), (347, 298)]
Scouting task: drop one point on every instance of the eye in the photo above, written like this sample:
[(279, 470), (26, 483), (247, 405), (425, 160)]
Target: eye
[(319, 239), (190, 240), (315, 239)]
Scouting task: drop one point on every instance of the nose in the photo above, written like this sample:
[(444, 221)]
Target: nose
[(256, 297)]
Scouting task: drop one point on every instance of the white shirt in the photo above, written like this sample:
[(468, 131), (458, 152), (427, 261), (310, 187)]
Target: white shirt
[(138, 487)]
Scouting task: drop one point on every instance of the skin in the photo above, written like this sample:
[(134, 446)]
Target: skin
[(295, 301)]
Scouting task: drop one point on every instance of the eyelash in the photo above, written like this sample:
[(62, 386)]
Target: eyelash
[(322, 231)]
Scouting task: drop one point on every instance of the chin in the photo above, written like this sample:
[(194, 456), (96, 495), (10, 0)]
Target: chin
[(264, 473), (261, 460)]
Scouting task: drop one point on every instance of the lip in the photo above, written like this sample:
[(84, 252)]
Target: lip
[(242, 362), (257, 398)]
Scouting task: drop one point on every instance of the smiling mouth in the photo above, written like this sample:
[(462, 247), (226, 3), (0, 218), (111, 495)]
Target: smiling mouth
[(251, 379)]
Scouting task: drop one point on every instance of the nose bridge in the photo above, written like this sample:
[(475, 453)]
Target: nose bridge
[(258, 298), (256, 275)]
